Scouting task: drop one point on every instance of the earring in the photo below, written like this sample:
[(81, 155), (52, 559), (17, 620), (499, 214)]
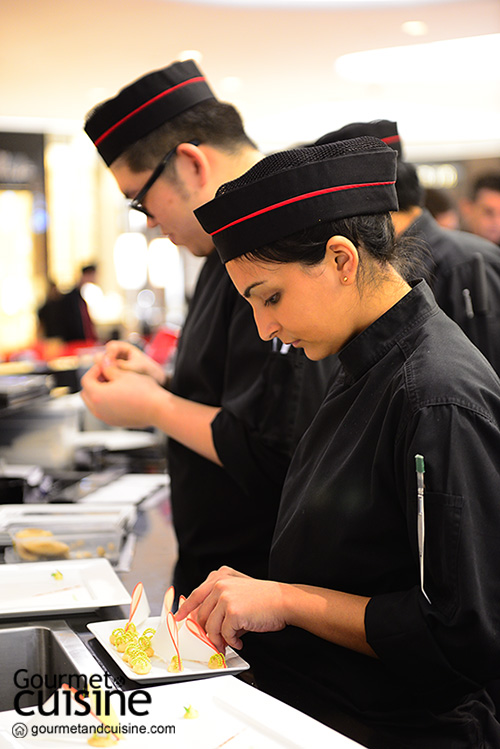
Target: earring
[(345, 279)]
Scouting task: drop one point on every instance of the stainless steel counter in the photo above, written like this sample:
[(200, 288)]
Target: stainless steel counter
[(228, 706)]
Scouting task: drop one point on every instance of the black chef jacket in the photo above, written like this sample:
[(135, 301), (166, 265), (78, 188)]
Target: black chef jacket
[(463, 271), (268, 397), (412, 384)]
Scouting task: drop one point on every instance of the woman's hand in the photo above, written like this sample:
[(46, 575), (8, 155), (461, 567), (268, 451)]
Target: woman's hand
[(228, 604), (125, 356)]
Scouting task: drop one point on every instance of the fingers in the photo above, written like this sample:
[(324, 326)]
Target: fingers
[(90, 382), (193, 601), (91, 376), (219, 613), (212, 604), (213, 628), (85, 399), (118, 350), (222, 628), (110, 370), (200, 593)]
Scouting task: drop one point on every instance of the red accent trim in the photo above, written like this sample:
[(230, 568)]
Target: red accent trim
[(199, 632), (146, 104), (390, 139), (298, 198), (136, 597)]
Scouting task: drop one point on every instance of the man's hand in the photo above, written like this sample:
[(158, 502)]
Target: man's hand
[(125, 356), (121, 398)]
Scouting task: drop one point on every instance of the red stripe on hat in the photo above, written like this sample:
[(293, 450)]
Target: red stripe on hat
[(390, 139), (298, 198), (147, 104)]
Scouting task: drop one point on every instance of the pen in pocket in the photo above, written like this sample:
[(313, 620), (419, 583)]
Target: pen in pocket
[(420, 469)]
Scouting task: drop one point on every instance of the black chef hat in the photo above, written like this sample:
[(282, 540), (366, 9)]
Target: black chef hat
[(297, 189), (144, 105), (386, 130)]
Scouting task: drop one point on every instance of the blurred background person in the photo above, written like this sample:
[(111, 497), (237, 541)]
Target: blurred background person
[(50, 314), (481, 210), (442, 206), (463, 270), (77, 322)]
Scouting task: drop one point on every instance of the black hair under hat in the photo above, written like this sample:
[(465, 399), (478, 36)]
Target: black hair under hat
[(385, 130), (143, 106), (297, 189)]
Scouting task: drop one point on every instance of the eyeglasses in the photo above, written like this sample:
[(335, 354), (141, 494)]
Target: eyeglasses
[(136, 203)]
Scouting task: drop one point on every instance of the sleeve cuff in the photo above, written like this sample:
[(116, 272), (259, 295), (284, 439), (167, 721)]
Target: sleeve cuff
[(402, 638)]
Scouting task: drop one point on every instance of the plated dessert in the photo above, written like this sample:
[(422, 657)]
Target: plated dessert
[(159, 648)]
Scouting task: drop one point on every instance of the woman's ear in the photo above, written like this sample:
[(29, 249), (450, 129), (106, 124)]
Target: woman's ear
[(192, 165), (344, 256)]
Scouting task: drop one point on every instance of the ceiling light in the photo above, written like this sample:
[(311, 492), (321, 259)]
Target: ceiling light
[(190, 54), (333, 4), (415, 28), (130, 257), (472, 59), (438, 175)]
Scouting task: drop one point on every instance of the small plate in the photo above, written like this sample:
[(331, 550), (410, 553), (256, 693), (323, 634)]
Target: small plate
[(115, 439), (31, 587), (159, 673)]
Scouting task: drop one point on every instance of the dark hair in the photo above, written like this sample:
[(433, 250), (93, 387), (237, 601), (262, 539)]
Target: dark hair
[(488, 181), (439, 200), (214, 122), (373, 234), (408, 188)]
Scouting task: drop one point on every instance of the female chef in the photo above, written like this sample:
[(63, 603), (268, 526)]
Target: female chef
[(381, 615)]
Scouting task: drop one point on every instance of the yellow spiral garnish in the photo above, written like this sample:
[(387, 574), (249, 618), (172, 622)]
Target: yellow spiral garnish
[(125, 639), (175, 665), (115, 633), (131, 628), (217, 661), (141, 664), (130, 651), (149, 632), (145, 644)]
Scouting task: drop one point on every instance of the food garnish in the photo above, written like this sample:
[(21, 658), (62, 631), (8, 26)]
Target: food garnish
[(140, 663), (175, 665), (190, 713), (217, 661)]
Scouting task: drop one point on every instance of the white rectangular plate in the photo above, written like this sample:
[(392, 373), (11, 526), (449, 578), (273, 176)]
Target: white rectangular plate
[(234, 715), (159, 673), (231, 714), (122, 517), (116, 439), (86, 584), (132, 488)]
